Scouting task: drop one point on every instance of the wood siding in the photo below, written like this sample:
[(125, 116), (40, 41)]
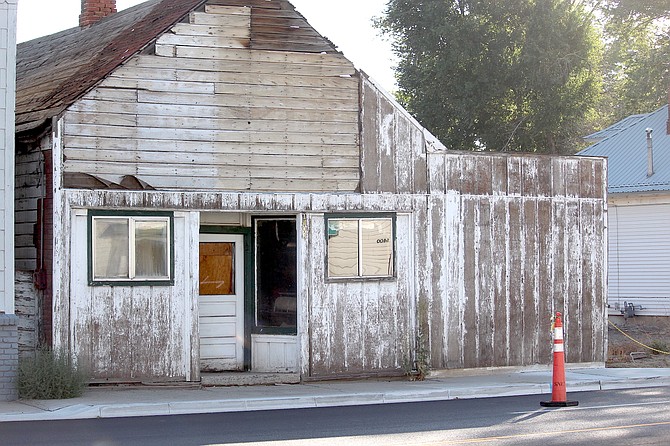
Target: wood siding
[(393, 145), (28, 312), (639, 255), (131, 333), (358, 327), (227, 113), (508, 242), (206, 111), (480, 275), (30, 187)]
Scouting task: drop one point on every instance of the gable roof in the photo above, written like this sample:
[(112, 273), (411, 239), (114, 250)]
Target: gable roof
[(54, 71), (615, 128), (625, 147)]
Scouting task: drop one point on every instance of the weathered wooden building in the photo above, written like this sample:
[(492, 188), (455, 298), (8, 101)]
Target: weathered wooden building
[(209, 185)]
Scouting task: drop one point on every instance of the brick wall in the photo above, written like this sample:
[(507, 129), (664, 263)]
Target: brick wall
[(9, 357), (94, 10)]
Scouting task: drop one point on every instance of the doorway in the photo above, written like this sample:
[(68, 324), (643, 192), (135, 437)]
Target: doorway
[(274, 335), (221, 302)]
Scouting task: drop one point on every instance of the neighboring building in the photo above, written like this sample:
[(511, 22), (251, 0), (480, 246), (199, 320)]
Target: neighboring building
[(9, 358), (639, 212), (211, 185)]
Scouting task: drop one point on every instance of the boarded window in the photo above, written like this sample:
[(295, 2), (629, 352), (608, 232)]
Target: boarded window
[(129, 248), (360, 247), (217, 269)]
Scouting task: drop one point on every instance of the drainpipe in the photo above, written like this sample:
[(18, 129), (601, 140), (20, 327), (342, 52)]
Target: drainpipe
[(650, 153)]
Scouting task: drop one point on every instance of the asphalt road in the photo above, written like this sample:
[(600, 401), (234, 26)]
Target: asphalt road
[(630, 417)]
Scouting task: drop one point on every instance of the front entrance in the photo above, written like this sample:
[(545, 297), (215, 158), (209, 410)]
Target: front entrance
[(248, 319), (221, 305)]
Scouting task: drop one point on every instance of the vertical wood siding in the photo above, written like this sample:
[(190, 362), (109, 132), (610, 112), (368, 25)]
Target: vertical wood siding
[(521, 244), (135, 333), (359, 327), (208, 110), (479, 275), (393, 145)]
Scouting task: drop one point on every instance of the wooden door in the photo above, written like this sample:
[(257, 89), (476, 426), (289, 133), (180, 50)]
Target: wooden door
[(221, 306)]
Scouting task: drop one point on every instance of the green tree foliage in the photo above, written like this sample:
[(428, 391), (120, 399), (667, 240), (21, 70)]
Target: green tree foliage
[(636, 67), (514, 75)]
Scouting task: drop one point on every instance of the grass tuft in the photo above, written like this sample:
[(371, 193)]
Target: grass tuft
[(51, 375)]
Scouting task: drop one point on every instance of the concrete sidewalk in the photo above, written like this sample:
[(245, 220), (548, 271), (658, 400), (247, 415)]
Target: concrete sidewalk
[(118, 401)]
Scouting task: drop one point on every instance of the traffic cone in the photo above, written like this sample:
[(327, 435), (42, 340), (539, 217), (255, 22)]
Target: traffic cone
[(558, 393)]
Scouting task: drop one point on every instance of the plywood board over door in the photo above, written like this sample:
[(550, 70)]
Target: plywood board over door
[(221, 306)]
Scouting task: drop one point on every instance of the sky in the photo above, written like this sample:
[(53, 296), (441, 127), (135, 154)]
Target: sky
[(347, 23)]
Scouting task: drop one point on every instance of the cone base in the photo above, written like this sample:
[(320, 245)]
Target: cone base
[(558, 403)]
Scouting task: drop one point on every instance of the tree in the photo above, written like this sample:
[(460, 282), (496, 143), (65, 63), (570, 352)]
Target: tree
[(518, 75), (636, 66)]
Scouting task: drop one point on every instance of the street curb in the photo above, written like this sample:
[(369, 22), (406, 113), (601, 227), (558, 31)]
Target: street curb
[(87, 411)]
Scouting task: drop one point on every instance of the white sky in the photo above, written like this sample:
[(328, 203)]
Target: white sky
[(347, 23)]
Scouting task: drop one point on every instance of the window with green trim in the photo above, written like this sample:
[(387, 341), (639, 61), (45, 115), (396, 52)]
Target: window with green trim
[(360, 247), (130, 249)]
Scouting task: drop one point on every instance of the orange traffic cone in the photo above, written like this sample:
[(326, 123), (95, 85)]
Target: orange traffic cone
[(558, 393)]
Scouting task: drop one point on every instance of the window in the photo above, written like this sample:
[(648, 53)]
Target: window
[(276, 275), (130, 248), (360, 247)]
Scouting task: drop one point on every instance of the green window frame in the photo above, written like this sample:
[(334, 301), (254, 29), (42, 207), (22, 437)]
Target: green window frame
[(360, 246), (130, 248)]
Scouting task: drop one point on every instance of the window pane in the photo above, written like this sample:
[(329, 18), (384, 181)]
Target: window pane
[(377, 240), (217, 269), (342, 248), (151, 249), (276, 302), (111, 248)]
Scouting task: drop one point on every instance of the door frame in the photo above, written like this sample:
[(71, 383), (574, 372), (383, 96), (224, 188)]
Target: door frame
[(248, 280)]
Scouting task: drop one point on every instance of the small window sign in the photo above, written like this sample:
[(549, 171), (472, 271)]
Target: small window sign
[(360, 247)]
